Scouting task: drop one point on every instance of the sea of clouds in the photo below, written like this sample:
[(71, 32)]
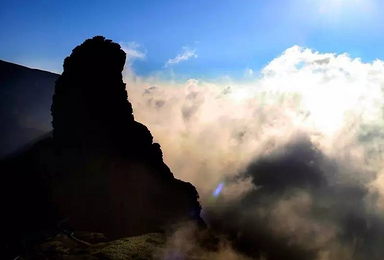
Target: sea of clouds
[(288, 162)]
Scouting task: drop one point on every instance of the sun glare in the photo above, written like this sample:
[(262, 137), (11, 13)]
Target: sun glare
[(336, 8)]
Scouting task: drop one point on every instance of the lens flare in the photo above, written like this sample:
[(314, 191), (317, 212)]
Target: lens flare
[(217, 191)]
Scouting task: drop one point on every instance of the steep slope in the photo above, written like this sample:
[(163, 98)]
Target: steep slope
[(25, 99)]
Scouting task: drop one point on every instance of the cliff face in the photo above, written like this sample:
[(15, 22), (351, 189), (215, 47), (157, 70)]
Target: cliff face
[(92, 116), (100, 169), (90, 106)]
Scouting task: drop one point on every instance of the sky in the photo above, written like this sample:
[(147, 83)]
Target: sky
[(182, 39)]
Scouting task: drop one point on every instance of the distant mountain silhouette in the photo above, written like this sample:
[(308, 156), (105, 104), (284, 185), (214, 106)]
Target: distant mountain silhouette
[(25, 99), (100, 169)]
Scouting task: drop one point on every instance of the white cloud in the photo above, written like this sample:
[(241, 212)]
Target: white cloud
[(330, 97), (132, 52), (184, 56), (210, 131)]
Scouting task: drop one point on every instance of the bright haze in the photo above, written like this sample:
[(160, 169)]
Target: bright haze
[(272, 109)]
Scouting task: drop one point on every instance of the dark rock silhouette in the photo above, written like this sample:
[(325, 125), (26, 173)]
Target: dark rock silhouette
[(100, 169), (25, 99)]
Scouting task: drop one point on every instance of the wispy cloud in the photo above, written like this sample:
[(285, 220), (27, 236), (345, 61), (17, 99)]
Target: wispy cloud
[(132, 51), (184, 56), (249, 73)]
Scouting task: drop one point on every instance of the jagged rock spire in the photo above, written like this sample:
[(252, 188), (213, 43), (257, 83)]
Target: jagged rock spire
[(90, 101), (101, 170)]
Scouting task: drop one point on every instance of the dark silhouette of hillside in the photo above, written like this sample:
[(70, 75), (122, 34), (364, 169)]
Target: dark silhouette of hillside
[(100, 170), (25, 99)]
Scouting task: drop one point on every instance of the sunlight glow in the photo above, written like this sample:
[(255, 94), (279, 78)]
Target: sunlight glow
[(342, 8)]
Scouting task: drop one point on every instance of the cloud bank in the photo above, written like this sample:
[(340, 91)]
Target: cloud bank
[(296, 151)]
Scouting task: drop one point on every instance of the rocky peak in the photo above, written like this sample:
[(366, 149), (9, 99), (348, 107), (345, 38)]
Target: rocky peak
[(101, 170), (90, 102)]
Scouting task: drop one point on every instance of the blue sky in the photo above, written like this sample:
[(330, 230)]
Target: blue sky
[(225, 37)]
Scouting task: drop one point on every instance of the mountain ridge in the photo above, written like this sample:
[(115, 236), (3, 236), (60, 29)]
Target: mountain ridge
[(25, 99)]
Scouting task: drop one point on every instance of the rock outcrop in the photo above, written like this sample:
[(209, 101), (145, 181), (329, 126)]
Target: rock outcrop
[(145, 247), (99, 171)]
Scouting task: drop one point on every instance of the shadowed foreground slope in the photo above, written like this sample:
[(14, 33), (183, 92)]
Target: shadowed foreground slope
[(25, 99), (100, 170)]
